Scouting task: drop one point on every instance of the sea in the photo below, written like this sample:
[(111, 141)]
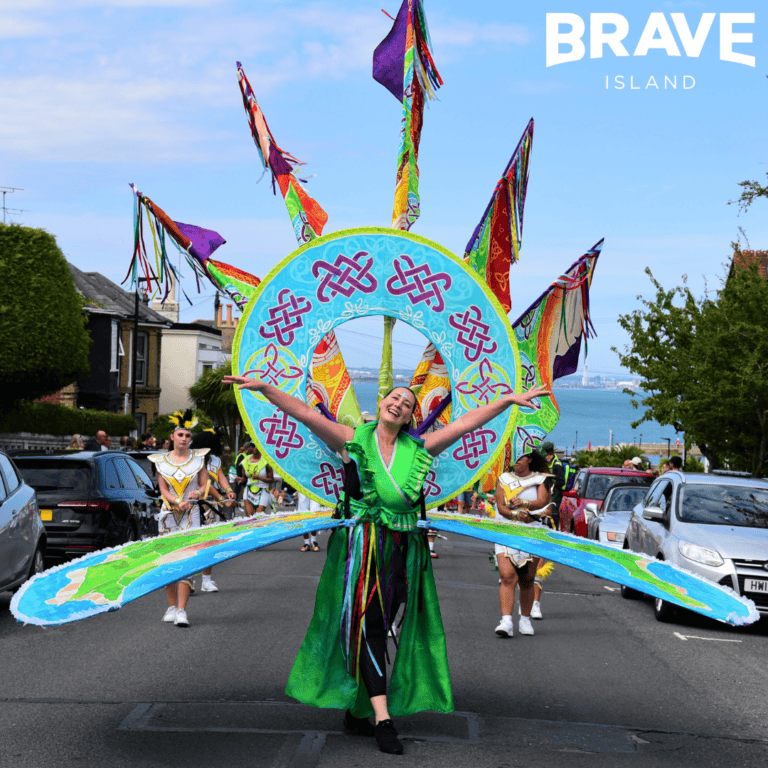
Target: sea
[(588, 417)]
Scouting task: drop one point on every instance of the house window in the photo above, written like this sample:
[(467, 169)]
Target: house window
[(207, 367), (142, 347)]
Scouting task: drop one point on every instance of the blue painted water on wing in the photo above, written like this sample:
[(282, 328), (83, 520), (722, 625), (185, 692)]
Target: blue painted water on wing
[(586, 416)]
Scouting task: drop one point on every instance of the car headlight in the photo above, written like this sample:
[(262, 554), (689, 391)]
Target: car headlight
[(617, 537), (699, 554)]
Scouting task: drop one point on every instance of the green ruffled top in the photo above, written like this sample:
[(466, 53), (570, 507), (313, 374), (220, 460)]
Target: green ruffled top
[(390, 493)]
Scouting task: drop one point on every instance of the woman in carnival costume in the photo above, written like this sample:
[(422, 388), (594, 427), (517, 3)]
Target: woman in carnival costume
[(210, 439), (259, 477), (183, 479), (519, 493), (375, 565)]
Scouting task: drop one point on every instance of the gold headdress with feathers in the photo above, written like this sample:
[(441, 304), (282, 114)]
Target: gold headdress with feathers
[(185, 420)]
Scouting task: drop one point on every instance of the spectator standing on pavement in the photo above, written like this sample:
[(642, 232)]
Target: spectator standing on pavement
[(634, 463), (76, 443), (101, 442)]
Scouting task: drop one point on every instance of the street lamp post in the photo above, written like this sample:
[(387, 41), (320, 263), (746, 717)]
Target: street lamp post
[(669, 445)]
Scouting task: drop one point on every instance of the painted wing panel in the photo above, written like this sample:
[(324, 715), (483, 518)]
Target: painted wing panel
[(106, 580), (653, 577)]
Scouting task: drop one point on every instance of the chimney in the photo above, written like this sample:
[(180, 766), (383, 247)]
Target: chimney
[(229, 316), (219, 317)]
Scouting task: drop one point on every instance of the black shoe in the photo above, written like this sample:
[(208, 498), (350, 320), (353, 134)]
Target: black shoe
[(358, 726), (386, 737)]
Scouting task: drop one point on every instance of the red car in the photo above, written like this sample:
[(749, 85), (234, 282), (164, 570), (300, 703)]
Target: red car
[(592, 484)]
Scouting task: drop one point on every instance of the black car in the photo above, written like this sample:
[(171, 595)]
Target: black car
[(90, 500), (22, 535)]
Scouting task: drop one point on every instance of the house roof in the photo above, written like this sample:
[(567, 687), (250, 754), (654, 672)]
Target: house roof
[(745, 259), (110, 299)]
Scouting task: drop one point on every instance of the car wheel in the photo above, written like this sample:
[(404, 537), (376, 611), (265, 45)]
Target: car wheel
[(662, 610), (630, 594), (129, 534), (38, 563)]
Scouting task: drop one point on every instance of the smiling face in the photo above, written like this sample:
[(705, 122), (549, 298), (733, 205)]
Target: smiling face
[(397, 407)]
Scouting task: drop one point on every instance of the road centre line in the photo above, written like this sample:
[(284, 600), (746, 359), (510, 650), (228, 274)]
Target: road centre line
[(713, 639)]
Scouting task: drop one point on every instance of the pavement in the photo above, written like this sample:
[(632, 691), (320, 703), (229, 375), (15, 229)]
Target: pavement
[(600, 684)]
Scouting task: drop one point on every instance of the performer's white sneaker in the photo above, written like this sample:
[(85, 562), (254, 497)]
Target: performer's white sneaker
[(524, 627), (505, 629), (209, 585), (181, 619), (170, 614), (536, 611)]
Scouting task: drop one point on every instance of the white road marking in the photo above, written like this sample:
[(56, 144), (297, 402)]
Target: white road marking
[(611, 589), (696, 637)]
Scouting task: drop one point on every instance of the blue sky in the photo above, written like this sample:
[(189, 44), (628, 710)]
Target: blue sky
[(94, 95)]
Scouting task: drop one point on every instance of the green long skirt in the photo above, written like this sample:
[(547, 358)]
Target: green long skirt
[(420, 677)]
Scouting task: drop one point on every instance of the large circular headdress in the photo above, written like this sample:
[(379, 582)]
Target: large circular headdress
[(374, 271)]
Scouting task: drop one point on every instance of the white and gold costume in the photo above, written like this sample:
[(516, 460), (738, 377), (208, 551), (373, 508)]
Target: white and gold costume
[(182, 480), (526, 489)]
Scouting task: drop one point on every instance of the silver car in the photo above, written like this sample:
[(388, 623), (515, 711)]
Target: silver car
[(22, 535), (714, 525), (608, 525)]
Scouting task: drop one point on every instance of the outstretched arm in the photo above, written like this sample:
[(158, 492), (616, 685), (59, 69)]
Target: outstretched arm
[(436, 442), (334, 435)]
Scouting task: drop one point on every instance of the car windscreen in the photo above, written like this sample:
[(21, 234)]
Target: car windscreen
[(737, 505), (624, 499), (599, 485), (53, 475)]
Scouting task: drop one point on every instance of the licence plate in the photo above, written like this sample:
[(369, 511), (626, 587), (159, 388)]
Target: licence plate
[(755, 585), (46, 514)]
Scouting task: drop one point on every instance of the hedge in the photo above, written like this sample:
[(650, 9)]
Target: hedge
[(57, 419)]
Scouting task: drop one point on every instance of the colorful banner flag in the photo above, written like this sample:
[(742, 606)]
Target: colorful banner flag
[(307, 217), (549, 335), (495, 243), (403, 64), (197, 245)]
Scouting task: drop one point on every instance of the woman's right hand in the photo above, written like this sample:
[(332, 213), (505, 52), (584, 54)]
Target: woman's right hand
[(244, 382)]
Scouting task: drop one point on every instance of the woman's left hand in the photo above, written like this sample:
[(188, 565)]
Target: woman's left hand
[(532, 394)]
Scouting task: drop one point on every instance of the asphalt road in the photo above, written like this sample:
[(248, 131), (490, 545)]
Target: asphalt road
[(602, 683)]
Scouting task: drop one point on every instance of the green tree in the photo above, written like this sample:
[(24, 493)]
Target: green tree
[(42, 326), (217, 401), (703, 365)]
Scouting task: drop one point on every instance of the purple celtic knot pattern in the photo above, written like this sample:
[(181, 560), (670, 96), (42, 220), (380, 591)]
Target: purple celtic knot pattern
[(272, 370), (473, 333), (280, 434), (285, 318), (419, 283), (529, 376), (525, 442), (330, 480), (474, 446), (431, 488), (527, 323), (488, 388), (345, 276)]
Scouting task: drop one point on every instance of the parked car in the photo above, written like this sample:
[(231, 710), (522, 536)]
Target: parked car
[(714, 525), (591, 485), (608, 525), (22, 535), (90, 500)]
